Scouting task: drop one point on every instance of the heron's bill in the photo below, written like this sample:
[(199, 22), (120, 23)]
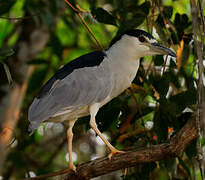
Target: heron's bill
[(162, 50)]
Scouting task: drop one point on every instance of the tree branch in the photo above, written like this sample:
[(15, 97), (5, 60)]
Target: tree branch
[(78, 12), (154, 153), (197, 34)]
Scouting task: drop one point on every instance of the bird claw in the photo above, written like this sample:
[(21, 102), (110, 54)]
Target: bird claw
[(114, 152), (125, 172), (72, 167)]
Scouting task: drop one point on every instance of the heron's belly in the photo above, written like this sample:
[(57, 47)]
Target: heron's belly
[(69, 114)]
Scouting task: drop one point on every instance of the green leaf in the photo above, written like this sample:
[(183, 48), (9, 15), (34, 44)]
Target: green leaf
[(130, 24), (184, 99), (108, 114), (144, 171), (36, 80), (182, 163), (56, 45), (161, 125), (160, 21), (170, 164), (103, 16), (161, 84), (181, 120), (8, 74), (6, 52), (202, 141), (6, 6), (172, 63), (145, 7), (181, 22), (191, 150), (141, 12), (158, 60), (38, 61), (167, 11)]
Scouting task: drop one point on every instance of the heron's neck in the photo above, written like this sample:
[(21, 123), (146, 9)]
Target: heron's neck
[(124, 65), (124, 50), (123, 56)]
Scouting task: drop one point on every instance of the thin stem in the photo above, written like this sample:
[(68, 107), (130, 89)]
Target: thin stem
[(196, 32), (202, 23), (49, 175), (19, 18), (165, 64), (169, 33), (78, 11)]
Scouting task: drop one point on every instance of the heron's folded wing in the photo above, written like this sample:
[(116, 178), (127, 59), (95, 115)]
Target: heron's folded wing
[(82, 87)]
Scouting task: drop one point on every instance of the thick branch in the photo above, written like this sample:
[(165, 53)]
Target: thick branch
[(163, 151)]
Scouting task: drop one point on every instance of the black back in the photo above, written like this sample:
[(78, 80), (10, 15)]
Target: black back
[(131, 32), (87, 60)]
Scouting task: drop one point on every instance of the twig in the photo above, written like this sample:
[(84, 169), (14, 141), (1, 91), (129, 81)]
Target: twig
[(165, 64), (19, 18), (149, 67), (78, 11), (165, 24), (203, 56), (202, 23), (49, 175), (199, 52)]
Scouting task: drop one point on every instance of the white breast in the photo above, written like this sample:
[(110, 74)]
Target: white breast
[(124, 65), (123, 77)]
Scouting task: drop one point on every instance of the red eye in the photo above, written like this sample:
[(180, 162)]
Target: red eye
[(141, 39)]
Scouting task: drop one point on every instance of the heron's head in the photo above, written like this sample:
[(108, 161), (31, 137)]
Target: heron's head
[(140, 43)]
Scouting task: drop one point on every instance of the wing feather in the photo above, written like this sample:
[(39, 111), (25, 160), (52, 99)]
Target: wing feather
[(80, 88)]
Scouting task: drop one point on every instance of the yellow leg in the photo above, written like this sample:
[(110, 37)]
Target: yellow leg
[(93, 111), (70, 139)]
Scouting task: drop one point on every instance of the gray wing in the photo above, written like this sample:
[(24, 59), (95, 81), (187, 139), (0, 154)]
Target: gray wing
[(82, 87)]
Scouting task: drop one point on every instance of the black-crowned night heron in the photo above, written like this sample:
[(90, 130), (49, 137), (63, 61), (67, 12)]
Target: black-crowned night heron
[(83, 86)]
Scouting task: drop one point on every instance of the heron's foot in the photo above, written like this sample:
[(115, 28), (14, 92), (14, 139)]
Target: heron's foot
[(113, 152), (72, 167), (125, 172)]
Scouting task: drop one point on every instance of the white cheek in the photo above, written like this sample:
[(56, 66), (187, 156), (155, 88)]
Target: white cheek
[(145, 48), (142, 50)]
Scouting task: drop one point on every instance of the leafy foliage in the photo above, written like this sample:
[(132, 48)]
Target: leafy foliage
[(103, 16), (154, 97), (6, 6), (4, 54)]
